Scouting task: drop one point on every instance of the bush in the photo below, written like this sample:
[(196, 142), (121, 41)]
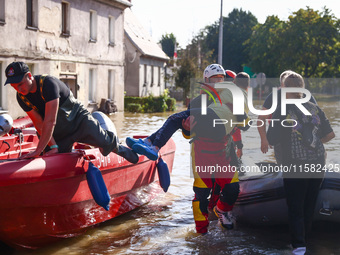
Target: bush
[(150, 104), (171, 103), (134, 107)]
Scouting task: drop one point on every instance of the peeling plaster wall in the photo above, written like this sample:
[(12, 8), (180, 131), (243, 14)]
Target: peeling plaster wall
[(49, 52)]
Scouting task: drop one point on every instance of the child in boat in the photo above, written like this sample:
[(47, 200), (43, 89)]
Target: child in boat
[(202, 126)]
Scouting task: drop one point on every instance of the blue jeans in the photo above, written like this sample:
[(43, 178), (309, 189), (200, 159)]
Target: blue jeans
[(203, 128)]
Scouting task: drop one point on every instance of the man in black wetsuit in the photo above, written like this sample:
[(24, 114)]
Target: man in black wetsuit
[(58, 117)]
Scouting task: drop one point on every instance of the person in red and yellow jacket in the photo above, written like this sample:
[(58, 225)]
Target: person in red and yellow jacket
[(212, 147)]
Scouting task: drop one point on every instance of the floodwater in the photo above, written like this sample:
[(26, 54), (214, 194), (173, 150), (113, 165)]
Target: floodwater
[(166, 226)]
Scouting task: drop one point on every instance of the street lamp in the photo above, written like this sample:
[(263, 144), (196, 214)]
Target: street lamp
[(220, 37)]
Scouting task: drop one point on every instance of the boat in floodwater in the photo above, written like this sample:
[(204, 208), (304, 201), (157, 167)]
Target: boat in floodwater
[(262, 198), (46, 199)]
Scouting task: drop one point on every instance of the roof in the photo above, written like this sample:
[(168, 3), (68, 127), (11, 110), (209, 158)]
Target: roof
[(140, 38)]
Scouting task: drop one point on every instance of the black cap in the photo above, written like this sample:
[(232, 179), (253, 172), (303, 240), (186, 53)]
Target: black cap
[(15, 72)]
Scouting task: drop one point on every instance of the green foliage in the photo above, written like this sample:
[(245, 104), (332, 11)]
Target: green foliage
[(307, 43), (265, 47), (150, 104), (168, 44), (134, 107), (171, 103), (188, 70), (237, 29)]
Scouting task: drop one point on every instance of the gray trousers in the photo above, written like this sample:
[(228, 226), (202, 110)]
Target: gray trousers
[(76, 124)]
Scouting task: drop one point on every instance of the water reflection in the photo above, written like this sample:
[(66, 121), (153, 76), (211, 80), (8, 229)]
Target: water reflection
[(166, 226)]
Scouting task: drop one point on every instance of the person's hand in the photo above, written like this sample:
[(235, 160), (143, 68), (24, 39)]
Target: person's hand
[(239, 153), (32, 154), (189, 123), (51, 152), (265, 145)]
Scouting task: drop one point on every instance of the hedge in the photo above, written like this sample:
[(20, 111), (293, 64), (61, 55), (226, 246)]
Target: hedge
[(150, 104)]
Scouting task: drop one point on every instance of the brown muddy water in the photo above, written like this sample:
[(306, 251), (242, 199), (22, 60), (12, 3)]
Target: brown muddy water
[(166, 226)]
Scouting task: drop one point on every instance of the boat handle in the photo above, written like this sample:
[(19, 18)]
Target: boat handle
[(89, 157)]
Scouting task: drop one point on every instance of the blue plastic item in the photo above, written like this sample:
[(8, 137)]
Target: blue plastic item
[(163, 174), (97, 186), (144, 149)]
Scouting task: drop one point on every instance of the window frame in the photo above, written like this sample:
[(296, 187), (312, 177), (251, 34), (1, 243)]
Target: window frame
[(93, 26), (159, 76), (111, 84), (112, 30), (145, 75), (2, 12), (152, 76), (92, 86), (32, 15), (65, 19)]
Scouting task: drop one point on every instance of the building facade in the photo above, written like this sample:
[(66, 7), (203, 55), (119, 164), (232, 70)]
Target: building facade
[(79, 41), (145, 60)]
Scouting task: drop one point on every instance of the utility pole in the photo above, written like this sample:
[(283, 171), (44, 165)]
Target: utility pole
[(220, 37)]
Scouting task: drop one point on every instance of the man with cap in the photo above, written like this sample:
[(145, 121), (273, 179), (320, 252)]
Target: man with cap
[(58, 117)]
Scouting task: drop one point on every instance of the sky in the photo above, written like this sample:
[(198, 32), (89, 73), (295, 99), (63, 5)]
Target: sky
[(184, 18)]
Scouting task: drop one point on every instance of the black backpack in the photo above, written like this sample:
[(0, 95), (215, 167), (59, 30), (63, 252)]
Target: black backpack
[(306, 135)]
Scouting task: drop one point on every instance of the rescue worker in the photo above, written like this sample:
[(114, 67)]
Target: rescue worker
[(58, 117), (212, 146)]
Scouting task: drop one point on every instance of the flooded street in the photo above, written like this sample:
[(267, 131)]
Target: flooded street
[(166, 226)]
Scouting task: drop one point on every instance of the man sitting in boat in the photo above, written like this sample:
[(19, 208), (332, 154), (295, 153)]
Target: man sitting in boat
[(211, 147), (58, 117), (304, 153)]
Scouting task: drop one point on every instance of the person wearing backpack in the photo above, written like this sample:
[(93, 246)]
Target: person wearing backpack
[(302, 138)]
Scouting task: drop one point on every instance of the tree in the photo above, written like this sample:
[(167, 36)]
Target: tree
[(168, 44), (312, 40), (307, 43), (266, 47), (186, 72), (237, 29)]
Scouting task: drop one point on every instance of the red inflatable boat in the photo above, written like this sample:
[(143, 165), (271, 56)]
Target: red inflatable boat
[(48, 198)]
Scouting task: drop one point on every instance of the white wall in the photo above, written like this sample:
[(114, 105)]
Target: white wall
[(49, 51), (152, 86)]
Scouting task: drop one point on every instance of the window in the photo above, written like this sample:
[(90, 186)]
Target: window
[(93, 26), (32, 14), (159, 76), (112, 23), (92, 85), (145, 75), (2, 12), (65, 19), (152, 75), (111, 84)]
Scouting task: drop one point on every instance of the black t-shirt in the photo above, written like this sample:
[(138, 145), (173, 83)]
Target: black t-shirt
[(269, 100), (53, 88)]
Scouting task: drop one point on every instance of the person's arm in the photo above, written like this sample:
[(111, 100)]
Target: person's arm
[(327, 132), (188, 124), (275, 130), (261, 128), (327, 137), (45, 127), (237, 138)]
